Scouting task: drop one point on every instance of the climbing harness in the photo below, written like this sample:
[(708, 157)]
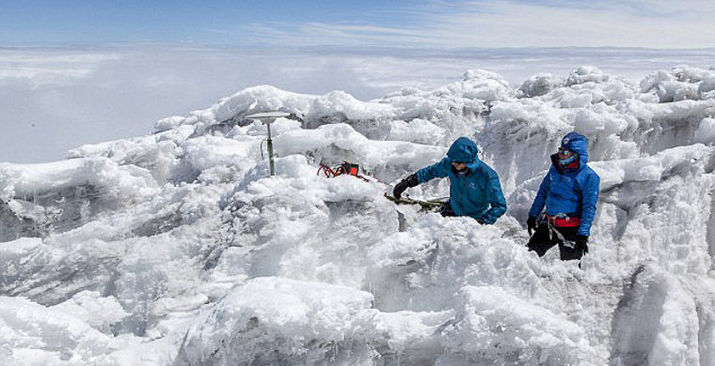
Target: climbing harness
[(561, 220)]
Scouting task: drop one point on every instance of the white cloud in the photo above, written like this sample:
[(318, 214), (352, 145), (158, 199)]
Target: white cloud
[(43, 66), (52, 100), (506, 23)]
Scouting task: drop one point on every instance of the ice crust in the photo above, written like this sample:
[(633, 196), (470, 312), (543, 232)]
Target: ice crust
[(177, 248)]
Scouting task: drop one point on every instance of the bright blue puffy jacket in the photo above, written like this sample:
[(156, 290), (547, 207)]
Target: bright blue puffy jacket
[(574, 193), (477, 193)]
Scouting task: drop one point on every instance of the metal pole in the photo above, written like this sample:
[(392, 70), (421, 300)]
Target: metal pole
[(267, 118), (270, 150)]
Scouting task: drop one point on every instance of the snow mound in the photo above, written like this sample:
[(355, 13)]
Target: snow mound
[(705, 134), (681, 83), (586, 74), (275, 320), (232, 110), (37, 335), (41, 198), (653, 326), (422, 268), (494, 326), (486, 85), (540, 84)]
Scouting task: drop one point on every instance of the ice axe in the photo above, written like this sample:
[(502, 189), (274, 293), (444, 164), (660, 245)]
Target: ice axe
[(426, 204)]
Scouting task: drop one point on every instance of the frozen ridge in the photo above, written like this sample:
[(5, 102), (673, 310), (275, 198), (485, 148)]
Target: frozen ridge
[(177, 249)]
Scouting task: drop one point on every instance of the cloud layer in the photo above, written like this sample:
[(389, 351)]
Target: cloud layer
[(506, 23), (52, 100)]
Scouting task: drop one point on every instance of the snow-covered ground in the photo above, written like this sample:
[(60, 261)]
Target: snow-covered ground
[(177, 248)]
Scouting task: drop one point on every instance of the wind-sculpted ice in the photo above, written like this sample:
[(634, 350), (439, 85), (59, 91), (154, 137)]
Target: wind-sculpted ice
[(39, 199), (33, 334), (276, 320), (178, 248), (493, 326)]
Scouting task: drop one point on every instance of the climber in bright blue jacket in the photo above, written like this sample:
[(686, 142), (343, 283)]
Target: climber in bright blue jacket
[(570, 193), (474, 188)]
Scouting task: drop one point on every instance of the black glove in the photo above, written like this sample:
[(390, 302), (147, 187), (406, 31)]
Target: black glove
[(446, 209), (582, 243), (410, 181), (531, 225), (480, 221)]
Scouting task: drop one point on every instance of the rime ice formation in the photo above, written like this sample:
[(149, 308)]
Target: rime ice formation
[(177, 248)]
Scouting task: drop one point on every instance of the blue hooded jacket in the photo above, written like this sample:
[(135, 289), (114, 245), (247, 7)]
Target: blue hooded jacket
[(570, 192), (477, 193)]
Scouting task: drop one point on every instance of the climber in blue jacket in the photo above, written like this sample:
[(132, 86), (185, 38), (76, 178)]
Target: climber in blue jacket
[(474, 188), (570, 193)]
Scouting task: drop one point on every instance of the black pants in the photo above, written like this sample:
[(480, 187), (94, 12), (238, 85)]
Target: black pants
[(543, 240)]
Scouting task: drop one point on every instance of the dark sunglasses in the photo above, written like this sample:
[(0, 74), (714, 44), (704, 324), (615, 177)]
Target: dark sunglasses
[(563, 151)]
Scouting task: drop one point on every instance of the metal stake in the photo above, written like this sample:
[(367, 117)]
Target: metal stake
[(267, 119), (270, 150)]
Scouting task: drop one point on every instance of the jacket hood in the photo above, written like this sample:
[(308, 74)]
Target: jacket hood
[(577, 143), (464, 150)]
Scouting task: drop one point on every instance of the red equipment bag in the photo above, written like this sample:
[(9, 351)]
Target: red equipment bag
[(350, 168)]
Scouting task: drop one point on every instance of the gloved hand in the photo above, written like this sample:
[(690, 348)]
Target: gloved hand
[(582, 243), (410, 181), (531, 225), (446, 209), (481, 222)]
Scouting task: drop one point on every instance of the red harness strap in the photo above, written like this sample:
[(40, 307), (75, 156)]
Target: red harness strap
[(563, 220)]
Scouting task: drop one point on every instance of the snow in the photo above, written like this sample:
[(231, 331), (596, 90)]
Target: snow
[(47, 336), (705, 133), (119, 181), (273, 320), (179, 248), (540, 84), (492, 324)]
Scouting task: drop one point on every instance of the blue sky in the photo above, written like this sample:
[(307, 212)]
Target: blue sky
[(178, 21), (414, 24)]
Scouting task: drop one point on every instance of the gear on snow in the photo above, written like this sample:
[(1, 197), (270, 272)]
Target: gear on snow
[(344, 168)]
